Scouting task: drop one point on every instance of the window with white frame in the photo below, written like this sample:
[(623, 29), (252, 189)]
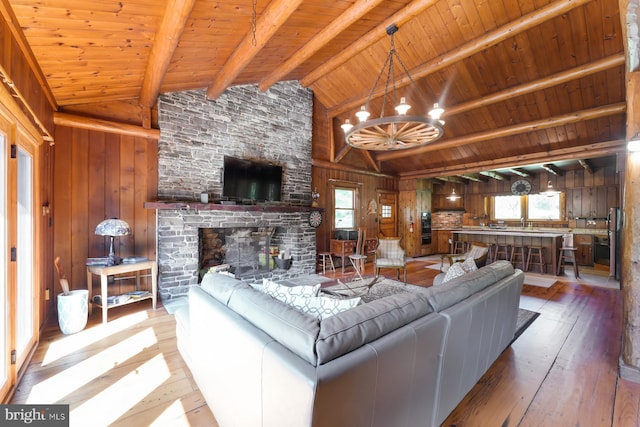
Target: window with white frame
[(507, 207), (543, 206), (344, 215)]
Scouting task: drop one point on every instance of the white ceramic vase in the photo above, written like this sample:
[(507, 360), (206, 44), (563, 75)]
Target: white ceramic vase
[(73, 311)]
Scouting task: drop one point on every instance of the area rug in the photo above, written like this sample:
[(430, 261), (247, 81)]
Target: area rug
[(539, 280), (371, 288), (525, 319)]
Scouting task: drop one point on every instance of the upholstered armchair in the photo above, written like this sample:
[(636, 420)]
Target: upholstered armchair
[(390, 254), (478, 251)]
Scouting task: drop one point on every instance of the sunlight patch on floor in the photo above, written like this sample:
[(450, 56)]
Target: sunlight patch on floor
[(110, 404), (70, 344), (174, 415), (64, 383)]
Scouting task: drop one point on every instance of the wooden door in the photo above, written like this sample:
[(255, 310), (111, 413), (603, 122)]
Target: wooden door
[(387, 213)]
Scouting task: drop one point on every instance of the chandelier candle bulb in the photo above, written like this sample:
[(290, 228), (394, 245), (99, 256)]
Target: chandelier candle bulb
[(363, 114)]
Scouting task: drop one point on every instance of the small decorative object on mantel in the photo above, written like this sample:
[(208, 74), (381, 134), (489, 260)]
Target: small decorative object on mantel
[(204, 197)]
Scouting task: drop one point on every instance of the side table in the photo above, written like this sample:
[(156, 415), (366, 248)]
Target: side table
[(105, 271)]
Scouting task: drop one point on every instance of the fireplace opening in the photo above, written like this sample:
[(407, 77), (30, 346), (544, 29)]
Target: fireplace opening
[(247, 250)]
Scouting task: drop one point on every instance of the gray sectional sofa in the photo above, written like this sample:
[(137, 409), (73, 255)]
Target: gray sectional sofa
[(406, 359)]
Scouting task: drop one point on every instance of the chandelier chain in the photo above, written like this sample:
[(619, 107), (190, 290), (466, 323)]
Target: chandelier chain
[(254, 18)]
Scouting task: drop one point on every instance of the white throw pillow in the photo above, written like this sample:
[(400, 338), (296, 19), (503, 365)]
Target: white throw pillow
[(469, 265), (286, 293), (323, 307), (454, 271)]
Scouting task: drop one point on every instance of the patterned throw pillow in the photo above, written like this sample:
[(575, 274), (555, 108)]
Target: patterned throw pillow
[(286, 293), (323, 307), (454, 271), (469, 265)]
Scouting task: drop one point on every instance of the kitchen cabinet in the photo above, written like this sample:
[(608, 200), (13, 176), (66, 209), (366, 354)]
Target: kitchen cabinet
[(441, 241), (584, 246)]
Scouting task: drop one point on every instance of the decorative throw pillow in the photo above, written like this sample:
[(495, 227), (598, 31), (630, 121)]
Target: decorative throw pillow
[(286, 293), (454, 271), (469, 265), (323, 307)]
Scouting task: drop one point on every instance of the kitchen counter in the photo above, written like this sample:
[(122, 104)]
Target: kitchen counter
[(551, 242), (542, 230)]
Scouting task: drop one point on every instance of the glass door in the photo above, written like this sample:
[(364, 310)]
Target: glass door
[(24, 315), (5, 341)]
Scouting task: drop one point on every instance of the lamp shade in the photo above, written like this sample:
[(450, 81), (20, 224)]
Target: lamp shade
[(113, 227)]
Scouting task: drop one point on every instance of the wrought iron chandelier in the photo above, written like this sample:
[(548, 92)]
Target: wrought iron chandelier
[(396, 132)]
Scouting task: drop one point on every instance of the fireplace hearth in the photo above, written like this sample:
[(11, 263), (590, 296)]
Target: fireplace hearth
[(247, 250)]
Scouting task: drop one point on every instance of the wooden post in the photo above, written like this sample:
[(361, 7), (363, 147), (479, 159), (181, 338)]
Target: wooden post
[(630, 250)]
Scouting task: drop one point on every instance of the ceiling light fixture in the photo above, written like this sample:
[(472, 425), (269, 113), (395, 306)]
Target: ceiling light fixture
[(550, 191), (453, 196), (397, 132)]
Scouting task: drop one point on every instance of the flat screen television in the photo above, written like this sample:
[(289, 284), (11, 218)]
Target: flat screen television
[(251, 180)]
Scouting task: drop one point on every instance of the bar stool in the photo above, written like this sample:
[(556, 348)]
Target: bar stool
[(568, 254), (535, 251), (491, 252), (518, 252), (459, 247), (324, 256), (502, 252)]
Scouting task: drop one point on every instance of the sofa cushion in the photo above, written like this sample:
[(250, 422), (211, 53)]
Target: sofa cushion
[(354, 328), (454, 271), (322, 307), (292, 328), (287, 293), (460, 288), (221, 286), (469, 265)]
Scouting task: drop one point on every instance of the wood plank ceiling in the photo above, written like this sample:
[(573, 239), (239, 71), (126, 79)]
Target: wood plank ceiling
[(522, 81)]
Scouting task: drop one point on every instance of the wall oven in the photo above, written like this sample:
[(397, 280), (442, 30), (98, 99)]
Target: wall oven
[(425, 228)]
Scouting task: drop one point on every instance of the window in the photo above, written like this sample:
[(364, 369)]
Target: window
[(543, 206), (344, 208), (386, 211), (507, 207)]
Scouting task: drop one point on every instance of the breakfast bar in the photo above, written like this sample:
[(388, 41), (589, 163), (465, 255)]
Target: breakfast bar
[(549, 241)]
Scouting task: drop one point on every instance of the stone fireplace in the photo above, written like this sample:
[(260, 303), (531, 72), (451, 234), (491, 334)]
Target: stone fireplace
[(195, 134)]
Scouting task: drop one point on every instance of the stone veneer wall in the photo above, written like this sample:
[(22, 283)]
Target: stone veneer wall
[(195, 135)]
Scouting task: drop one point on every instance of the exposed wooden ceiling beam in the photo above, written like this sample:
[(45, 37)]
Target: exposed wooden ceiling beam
[(574, 117), (586, 165), (520, 172), (369, 158), (336, 166), (274, 16), (399, 18), (537, 85), (175, 17), (81, 122), (553, 169), (494, 175), (474, 177), (597, 149), (477, 45), (451, 179), (333, 30), (343, 152)]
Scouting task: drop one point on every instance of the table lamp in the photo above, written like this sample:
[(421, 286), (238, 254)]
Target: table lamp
[(113, 227)]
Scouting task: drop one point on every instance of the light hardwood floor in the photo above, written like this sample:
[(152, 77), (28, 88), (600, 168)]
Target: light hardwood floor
[(561, 371)]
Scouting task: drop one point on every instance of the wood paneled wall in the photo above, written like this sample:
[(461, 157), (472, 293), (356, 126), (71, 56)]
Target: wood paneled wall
[(587, 194), (368, 185), (97, 176)]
